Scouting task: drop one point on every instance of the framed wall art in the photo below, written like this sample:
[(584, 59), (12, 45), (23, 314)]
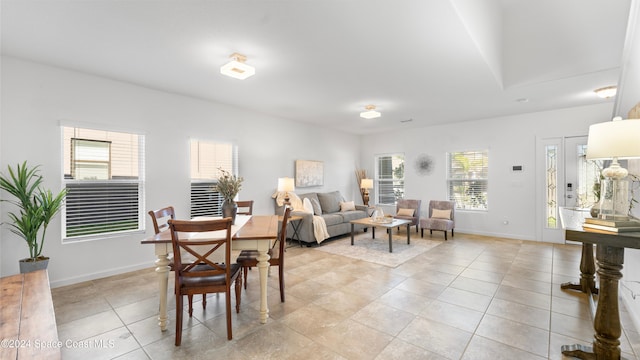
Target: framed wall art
[(309, 173)]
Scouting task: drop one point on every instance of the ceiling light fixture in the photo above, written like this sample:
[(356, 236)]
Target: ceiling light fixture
[(606, 92), (236, 68), (371, 112)]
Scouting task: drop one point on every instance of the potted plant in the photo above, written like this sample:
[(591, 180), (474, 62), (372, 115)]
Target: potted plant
[(229, 186), (37, 206)]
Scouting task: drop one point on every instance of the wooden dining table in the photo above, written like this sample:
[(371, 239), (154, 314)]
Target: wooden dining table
[(250, 232)]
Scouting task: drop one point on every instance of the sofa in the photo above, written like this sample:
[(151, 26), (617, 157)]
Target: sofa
[(326, 205)]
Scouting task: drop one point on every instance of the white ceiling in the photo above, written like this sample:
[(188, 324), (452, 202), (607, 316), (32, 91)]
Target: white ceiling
[(322, 61)]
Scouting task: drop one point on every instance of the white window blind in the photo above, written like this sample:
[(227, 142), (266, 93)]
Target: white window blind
[(104, 178), (207, 158), (389, 178), (467, 179)]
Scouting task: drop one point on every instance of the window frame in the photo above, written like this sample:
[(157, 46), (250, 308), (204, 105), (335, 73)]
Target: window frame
[(129, 186), (471, 178), (398, 184)]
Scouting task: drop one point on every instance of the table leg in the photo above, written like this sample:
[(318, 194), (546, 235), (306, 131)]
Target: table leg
[(352, 230), (587, 270), (162, 269), (408, 237), (263, 267), (606, 343), (390, 231), (373, 232)]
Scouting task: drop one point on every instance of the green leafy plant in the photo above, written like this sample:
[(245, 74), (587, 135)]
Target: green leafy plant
[(228, 185), (37, 206)]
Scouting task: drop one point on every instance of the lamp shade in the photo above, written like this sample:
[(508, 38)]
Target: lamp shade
[(618, 139), (366, 184), (286, 184)]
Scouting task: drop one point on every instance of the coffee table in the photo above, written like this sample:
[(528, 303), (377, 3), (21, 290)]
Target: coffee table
[(369, 222)]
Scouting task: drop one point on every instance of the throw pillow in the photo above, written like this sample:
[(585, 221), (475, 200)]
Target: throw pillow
[(306, 205), (330, 202), (317, 210), (347, 206), (441, 214), (406, 212)]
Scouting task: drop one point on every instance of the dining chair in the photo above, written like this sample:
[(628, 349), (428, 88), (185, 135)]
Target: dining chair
[(160, 220), (204, 276), (245, 207), (441, 217), (408, 210), (249, 258)]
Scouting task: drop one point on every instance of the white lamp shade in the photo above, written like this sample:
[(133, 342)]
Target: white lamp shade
[(286, 184), (614, 139), (366, 184)]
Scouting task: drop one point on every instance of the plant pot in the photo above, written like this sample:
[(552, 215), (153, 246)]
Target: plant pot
[(28, 265), (229, 209)]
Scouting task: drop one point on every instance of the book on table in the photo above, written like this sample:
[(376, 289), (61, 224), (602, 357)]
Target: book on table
[(613, 223), (611, 229)]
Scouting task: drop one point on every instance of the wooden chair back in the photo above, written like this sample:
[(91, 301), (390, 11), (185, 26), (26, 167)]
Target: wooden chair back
[(160, 218), (245, 207)]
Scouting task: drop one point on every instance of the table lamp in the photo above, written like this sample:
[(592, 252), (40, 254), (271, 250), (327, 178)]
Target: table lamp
[(614, 140), (286, 185), (366, 184)]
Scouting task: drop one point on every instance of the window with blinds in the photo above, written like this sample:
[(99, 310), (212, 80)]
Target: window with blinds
[(389, 178), (104, 178), (467, 179), (207, 158)]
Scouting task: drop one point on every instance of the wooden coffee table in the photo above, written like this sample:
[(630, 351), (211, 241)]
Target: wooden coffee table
[(369, 222)]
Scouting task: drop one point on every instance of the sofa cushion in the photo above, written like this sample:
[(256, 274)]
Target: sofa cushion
[(330, 202), (441, 214), (317, 210), (347, 206), (333, 219)]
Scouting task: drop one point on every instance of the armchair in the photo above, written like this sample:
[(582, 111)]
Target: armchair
[(441, 217), (408, 210)]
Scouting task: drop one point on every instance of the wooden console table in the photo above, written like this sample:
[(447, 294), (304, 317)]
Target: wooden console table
[(609, 258), (28, 328)]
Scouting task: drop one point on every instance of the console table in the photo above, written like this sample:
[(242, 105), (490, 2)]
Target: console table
[(609, 258)]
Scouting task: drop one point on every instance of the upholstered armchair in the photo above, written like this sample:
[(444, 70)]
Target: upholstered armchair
[(408, 210), (441, 217)]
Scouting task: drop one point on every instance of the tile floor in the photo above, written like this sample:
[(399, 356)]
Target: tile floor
[(471, 297)]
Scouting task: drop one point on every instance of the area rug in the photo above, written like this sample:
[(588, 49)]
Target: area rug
[(377, 250)]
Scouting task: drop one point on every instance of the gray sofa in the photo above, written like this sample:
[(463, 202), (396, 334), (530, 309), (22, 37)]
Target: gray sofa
[(326, 205)]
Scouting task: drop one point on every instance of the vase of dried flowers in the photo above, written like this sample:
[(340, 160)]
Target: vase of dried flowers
[(229, 186)]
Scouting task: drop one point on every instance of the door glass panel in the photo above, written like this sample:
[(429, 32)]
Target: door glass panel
[(588, 191), (551, 210)]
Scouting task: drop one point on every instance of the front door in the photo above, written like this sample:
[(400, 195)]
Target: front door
[(564, 179)]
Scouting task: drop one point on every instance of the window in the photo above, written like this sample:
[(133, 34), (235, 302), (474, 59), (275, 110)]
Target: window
[(206, 158), (104, 178), (389, 178), (467, 178)]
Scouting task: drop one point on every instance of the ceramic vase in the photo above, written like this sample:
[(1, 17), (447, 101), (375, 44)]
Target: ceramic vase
[(229, 209)]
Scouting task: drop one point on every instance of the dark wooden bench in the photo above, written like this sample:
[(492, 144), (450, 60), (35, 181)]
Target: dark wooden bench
[(27, 320)]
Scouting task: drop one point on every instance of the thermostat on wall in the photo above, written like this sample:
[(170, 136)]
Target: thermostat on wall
[(516, 168)]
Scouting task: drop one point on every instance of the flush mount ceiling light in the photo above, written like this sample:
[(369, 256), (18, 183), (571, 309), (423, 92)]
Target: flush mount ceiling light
[(236, 68), (606, 92), (371, 112)]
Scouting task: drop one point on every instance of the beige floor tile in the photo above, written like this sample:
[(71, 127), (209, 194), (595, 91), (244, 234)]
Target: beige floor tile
[(109, 345), (471, 297)]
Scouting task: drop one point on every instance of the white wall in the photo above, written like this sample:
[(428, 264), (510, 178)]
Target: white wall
[(510, 141), (35, 98)]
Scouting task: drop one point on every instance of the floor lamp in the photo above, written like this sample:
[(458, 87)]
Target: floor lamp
[(614, 140)]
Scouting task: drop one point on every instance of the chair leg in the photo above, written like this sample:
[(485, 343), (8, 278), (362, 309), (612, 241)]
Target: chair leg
[(179, 311), (190, 297), (204, 300), (238, 292), (421, 233), (451, 232), (281, 278), (445, 235), (228, 306), (245, 270)]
